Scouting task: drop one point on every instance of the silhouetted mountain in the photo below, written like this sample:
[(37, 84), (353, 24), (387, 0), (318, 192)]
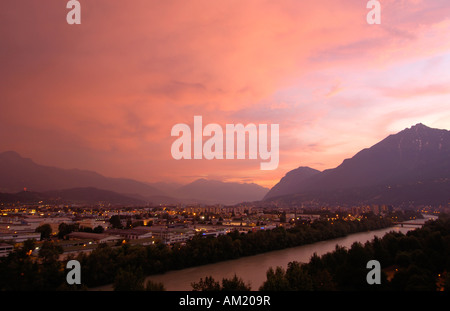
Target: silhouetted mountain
[(23, 197), (17, 173), (166, 187), (213, 191), (291, 182), (414, 163), (88, 195)]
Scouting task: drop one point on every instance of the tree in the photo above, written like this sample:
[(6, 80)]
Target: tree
[(28, 246), (209, 284), (403, 259), (276, 280), (49, 252), (64, 229), (283, 217), (18, 270), (45, 230), (298, 277), (100, 266), (235, 284), (413, 279), (99, 229), (154, 286), (129, 279), (323, 281), (51, 272), (352, 274), (447, 282), (115, 222)]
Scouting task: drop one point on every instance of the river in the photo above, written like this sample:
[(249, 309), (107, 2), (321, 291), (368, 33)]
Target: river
[(252, 269)]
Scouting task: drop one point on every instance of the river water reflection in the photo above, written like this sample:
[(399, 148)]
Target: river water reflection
[(253, 269)]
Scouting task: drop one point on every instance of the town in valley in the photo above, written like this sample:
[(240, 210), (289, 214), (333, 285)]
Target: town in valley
[(78, 228)]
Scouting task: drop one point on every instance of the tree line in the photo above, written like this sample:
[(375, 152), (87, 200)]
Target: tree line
[(102, 265), (416, 261), (105, 264)]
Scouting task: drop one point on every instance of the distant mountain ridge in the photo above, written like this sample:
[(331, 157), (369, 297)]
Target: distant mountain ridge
[(18, 173), (410, 166), (292, 181), (83, 196), (214, 191)]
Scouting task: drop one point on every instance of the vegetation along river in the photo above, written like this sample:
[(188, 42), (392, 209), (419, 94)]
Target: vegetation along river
[(252, 269)]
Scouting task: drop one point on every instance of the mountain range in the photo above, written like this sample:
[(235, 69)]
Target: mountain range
[(50, 183), (85, 195), (410, 167)]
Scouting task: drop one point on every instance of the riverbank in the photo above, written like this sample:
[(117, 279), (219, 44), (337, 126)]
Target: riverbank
[(252, 269)]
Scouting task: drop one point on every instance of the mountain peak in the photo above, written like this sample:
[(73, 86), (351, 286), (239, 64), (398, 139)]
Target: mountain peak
[(419, 125), (420, 135), (304, 169), (418, 155), (422, 128), (292, 181)]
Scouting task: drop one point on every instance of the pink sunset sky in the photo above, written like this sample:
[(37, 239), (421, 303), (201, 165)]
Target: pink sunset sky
[(105, 94)]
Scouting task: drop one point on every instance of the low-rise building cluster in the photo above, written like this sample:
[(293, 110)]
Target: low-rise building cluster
[(149, 225)]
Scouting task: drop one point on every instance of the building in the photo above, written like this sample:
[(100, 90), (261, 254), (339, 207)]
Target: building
[(172, 235), (309, 217), (94, 237), (32, 222), (213, 232), (19, 237), (132, 234), (93, 223), (5, 249)]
